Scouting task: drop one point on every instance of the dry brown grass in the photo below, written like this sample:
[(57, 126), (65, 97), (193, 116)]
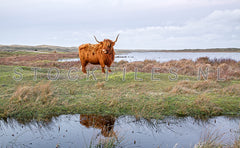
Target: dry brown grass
[(236, 143), (203, 104), (203, 60), (231, 90), (181, 90), (184, 83), (193, 87), (39, 93), (100, 85), (229, 69), (215, 140), (32, 102), (205, 85), (210, 140), (31, 98)]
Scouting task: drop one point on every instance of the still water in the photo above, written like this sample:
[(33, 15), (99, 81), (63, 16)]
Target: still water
[(79, 130), (167, 56)]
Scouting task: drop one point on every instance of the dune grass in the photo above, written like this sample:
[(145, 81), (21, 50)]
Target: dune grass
[(41, 99)]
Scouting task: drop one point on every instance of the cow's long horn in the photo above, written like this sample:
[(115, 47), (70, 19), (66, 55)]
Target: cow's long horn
[(96, 39), (116, 38)]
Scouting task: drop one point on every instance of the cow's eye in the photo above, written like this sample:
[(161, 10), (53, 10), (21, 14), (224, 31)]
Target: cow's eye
[(109, 46)]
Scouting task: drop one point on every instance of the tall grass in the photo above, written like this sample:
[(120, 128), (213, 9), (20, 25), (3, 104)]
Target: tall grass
[(195, 87), (216, 140), (40, 93), (228, 68), (27, 101)]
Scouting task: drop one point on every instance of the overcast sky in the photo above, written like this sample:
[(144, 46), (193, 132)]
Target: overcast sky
[(142, 24)]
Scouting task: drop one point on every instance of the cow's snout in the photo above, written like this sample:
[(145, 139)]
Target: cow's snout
[(105, 51)]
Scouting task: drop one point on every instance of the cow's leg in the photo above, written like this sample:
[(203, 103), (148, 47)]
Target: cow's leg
[(109, 70), (103, 70), (102, 65), (84, 64)]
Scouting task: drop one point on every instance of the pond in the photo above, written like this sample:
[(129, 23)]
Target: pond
[(85, 130), (167, 56)]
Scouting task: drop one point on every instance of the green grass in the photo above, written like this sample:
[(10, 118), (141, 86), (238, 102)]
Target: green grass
[(41, 99)]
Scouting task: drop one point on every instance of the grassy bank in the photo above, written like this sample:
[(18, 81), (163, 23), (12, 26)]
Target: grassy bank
[(41, 99)]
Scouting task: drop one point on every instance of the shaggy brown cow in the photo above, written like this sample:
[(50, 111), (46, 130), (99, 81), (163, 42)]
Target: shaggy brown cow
[(101, 53)]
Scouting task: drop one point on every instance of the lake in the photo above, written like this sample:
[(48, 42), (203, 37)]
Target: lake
[(167, 56), (79, 130)]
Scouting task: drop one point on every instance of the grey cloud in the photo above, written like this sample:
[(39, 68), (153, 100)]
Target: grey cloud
[(142, 24)]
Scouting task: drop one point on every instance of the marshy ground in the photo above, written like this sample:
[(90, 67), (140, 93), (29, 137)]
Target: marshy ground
[(39, 98), (26, 95)]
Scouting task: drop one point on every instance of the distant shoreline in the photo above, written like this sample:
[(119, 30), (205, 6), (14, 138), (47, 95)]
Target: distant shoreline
[(184, 50), (75, 49)]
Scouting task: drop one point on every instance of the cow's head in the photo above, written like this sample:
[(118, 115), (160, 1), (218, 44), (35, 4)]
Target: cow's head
[(107, 45)]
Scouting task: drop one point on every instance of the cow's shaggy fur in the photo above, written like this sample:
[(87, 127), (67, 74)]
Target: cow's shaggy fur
[(101, 53)]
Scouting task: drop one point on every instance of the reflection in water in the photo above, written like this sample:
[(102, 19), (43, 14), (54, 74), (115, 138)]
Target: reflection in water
[(80, 130), (105, 123)]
